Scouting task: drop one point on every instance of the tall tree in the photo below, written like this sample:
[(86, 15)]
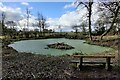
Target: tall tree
[(3, 17), (28, 16), (59, 27), (88, 5), (83, 26), (100, 25), (41, 22), (12, 24), (0, 29), (75, 27), (114, 8), (118, 24)]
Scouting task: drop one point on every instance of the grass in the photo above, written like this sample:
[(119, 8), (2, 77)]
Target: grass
[(2, 37), (108, 37)]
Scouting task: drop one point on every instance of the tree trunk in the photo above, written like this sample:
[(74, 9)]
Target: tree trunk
[(90, 10), (114, 19), (40, 26), (3, 27)]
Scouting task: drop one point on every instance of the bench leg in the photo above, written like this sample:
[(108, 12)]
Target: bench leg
[(81, 61), (104, 65), (108, 63), (76, 64)]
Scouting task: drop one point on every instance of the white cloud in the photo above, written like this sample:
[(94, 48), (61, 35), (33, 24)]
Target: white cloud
[(31, 8), (54, 23), (1, 4), (25, 3), (95, 13), (73, 18), (11, 13), (17, 15), (68, 19), (69, 6), (23, 22)]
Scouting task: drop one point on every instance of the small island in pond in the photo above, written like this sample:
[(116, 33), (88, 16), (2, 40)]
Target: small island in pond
[(60, 46)]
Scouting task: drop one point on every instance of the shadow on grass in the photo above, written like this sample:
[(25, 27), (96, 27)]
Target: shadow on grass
[(95, 72), (90, 68)]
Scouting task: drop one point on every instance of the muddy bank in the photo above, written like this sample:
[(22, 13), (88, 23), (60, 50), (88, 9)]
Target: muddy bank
[(27, 66)]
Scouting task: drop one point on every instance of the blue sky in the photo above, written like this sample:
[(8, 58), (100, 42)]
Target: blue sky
[(48, 9), (56, 13)]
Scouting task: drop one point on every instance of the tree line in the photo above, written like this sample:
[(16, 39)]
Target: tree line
[(12, 31), (108, 21)]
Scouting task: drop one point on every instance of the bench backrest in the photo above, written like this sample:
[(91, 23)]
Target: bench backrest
[(94, 56)]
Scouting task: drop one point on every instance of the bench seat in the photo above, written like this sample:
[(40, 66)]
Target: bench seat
[(89, 62)]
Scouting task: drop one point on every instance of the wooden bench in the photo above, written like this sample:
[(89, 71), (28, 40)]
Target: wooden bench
[(81, 62)]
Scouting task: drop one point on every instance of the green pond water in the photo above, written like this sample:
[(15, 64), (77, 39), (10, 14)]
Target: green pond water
[(38, 47)]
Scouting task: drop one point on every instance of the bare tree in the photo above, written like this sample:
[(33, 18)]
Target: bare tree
[(88, 5), (0, 29), (12, 24), (118, 24), (114, 8), (83, 26), (3, 19), (59, 27), (41, 22), (28, 16), (75, 27)]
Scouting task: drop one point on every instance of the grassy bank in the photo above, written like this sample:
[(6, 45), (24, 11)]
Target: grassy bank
[(28, 66), (108, 41), (25, 66)]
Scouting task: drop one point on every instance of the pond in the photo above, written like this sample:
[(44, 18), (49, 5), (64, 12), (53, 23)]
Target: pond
[(39, 47)]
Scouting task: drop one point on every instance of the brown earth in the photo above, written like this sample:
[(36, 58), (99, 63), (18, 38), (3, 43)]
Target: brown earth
[(27, 66)]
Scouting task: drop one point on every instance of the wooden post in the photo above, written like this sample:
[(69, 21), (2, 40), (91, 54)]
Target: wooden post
[(108, 63), (81, 61)]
